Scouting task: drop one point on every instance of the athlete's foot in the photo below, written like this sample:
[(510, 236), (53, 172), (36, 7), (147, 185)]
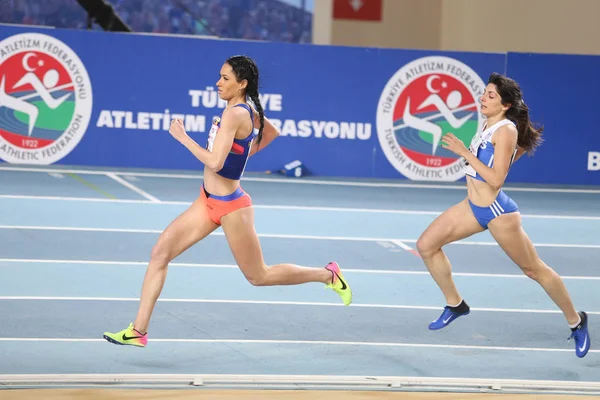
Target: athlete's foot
[(127, 336), (449, 315), (581, 336), (338, 283)]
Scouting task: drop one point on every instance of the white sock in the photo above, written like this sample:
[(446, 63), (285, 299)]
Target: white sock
[(575, 325)]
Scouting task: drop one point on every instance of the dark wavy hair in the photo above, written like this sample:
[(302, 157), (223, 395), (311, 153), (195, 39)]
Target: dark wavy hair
[(529, 137), (245, 68)]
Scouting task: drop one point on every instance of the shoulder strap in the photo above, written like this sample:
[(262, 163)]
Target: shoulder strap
[(247, 107), (497, 126), (252, 133)]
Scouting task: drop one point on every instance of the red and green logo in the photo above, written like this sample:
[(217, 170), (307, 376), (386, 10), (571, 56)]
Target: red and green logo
[(45, 99), (423, 101)]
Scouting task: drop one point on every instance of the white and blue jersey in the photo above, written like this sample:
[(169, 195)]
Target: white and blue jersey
[(482, 147)]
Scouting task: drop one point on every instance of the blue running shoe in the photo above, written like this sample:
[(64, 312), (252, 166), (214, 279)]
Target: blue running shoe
[(448, 316), (581, 336)]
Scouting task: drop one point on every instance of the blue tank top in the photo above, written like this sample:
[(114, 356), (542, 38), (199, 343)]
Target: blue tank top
[(236, 160), (482, 147)]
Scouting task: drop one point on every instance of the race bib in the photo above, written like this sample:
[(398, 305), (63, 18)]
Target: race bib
[(475, 144), (212, 134), (474, 149), (467, 169), (478, 142)]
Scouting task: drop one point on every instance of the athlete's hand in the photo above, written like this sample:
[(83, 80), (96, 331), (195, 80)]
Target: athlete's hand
[(177, 130), (454, 144)]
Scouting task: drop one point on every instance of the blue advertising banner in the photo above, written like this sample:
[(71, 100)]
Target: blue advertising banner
[(106, 99), (560, 91)]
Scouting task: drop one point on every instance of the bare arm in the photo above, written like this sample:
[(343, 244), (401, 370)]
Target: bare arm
[(506, 140), (223, 141)]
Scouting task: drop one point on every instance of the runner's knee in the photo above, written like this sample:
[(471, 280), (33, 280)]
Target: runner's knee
[(257, 279), (426, 246), (160, 255), (535, 269), (259, 276)]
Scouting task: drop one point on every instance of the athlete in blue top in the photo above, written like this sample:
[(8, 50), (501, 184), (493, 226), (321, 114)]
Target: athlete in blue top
[(507, 135), (222, 202)]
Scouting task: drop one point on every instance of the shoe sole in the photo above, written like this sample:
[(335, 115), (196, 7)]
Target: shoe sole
[(444, 326), (113, 341)]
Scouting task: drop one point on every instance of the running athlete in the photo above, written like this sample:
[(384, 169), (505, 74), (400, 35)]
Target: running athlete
[(223, 202), (506, 136)]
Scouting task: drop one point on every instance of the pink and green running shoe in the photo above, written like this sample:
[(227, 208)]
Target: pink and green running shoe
[(339, 284), (127, 336)]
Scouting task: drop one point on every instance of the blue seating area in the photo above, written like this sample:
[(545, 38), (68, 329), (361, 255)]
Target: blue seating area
[(269, 20)]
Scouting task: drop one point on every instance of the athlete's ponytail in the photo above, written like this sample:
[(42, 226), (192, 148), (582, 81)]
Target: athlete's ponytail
[(529, 137), (245, 68), (261, 113)]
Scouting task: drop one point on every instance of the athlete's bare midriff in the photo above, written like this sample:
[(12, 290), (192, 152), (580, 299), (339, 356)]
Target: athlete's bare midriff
[(480, 193), (218, 185)]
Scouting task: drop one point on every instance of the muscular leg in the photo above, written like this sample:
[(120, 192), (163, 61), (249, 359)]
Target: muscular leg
[(187, 229), (245, 247), (456, 223), (510, 235)]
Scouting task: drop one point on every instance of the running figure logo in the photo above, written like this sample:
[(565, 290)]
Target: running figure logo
[(423, 101), (45, 99)]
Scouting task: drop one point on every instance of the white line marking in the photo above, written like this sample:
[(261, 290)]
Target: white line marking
[(283, 236), (303, 381), (386, 245), (280, 303), (402, 245), (563, 245), (57, 176), (103, 172), (132, 178), (406, 247), (346, 209), (81, 229), (282, 207), (91, 199), (299, 181), (319, 382), (310, 342), (109, 263), (131, 186), (233, 266)]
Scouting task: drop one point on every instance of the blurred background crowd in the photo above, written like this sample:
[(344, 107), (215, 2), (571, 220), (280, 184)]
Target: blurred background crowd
[(269, 20)]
